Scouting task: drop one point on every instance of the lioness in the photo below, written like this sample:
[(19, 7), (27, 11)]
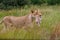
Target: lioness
[(22, 21)]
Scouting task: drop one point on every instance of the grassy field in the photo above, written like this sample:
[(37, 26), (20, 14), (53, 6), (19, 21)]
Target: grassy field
[(50, 17)]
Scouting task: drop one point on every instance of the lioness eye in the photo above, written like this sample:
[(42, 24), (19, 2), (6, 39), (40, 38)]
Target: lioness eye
[(40, 15)]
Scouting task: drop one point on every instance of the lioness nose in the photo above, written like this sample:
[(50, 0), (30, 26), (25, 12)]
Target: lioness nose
[(38, 23)]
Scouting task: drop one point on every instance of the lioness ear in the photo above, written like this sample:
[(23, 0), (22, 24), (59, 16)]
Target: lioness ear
[(32, 11)]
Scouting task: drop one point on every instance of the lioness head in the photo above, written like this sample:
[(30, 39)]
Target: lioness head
[(37, 15)]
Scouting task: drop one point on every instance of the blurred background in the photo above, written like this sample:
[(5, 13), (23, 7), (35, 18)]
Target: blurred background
[(9, 4), (50, 18)]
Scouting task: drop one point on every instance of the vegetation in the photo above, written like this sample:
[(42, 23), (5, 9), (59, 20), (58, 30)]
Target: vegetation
[(50, 17), (9, 4)]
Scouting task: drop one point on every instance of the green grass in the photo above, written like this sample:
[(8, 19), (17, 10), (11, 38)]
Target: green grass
[(50, 17)]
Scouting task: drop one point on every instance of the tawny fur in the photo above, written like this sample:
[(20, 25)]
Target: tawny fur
[(16, 21), (56, 32), (22, 21)]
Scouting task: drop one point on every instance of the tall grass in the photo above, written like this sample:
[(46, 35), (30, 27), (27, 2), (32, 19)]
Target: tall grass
[(50, 17)]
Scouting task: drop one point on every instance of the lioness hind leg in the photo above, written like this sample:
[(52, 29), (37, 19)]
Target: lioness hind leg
[(6, 27)]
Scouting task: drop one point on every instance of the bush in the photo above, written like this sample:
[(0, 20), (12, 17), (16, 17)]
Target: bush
[(2, 6), (53, 2), (38, 2), (9, 4), (58, 1), (22, 2)]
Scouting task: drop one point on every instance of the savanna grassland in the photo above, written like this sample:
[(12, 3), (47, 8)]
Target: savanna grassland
[(50, 17)]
